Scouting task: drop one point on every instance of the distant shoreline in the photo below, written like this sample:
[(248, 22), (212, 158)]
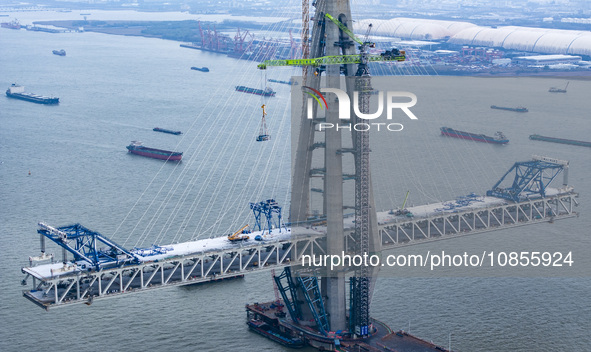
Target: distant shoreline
[(184, 33)]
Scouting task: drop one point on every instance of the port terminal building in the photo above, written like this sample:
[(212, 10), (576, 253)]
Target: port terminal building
[(545, 60)]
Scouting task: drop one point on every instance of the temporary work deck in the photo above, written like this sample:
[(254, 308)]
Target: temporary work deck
[(382, 340)]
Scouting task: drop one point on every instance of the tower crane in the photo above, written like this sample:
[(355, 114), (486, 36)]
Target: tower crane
[(387, 56), (360, 291)]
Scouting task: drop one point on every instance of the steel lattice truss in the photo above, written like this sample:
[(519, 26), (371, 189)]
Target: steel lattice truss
[(530, 179), (86, 245)]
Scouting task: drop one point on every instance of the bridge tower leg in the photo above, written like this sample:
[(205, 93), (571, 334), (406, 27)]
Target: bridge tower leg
[(328, 40)]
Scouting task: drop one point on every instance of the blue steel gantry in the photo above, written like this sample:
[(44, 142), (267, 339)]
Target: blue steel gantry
[(268, 208), (87, 245), (531, 178)]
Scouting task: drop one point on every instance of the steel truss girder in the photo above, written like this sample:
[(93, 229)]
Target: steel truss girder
[(80, 287), (530, 179), (84, 286), (84, 245), (447, 225)]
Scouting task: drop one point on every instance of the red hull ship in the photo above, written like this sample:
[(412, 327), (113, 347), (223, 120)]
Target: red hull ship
[(499, 138), (139, 149)]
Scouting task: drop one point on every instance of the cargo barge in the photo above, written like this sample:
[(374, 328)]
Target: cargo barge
[(271, 321), (517, 109), (537, 137), (262, 328), (164, 130), (202, 69), (137, 148), (18, 92), (267, 92), (61, 52), (499, 137), (290, 82)]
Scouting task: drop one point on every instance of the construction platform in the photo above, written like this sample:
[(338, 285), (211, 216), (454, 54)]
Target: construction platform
[(280, 328)]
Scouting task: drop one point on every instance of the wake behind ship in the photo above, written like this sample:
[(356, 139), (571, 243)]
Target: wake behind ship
[(498, 139), (137, 148)]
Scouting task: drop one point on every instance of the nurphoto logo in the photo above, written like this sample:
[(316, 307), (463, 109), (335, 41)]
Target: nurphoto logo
[(391, 102)]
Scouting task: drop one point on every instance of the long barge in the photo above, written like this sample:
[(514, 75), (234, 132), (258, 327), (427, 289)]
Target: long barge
[(164, 130), (267, 92), (264, 329), (537, 137), (290, 82), (517, 109), (499, 137), (18, 92), (138, 149)]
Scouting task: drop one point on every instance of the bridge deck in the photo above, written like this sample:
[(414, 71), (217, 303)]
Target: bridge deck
[(58, 284)]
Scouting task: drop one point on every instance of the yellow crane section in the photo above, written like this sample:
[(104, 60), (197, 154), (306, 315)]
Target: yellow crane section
[(239, 235)]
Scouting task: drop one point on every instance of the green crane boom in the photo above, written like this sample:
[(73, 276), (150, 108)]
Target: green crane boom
[(335, 60), (343, 28), (389, 55)]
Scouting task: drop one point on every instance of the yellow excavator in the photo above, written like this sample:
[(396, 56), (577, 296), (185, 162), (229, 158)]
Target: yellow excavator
[(239, 235)]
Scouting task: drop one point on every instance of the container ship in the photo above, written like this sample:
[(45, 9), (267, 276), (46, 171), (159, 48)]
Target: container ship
[(18, 92), (537, 137), (137, 148), (517, 109), (164, 130), (267, 92), (499, 138)]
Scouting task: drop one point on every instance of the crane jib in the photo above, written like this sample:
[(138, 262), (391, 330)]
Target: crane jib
[(332, 60)]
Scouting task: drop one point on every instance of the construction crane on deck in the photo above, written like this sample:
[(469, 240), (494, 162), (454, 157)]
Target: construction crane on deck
[(240, 235)]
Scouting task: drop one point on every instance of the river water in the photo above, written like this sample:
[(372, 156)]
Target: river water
[(68, 163)]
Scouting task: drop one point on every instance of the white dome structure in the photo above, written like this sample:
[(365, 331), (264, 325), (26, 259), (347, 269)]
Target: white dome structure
[(542, 40), (412, 28)]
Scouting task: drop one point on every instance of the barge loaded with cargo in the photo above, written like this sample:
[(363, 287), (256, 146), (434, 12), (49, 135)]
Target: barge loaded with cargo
[(499, 137), (18, 92), (517, 109), (164, 130), (137, 148), (537, 137), (267, 92)]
